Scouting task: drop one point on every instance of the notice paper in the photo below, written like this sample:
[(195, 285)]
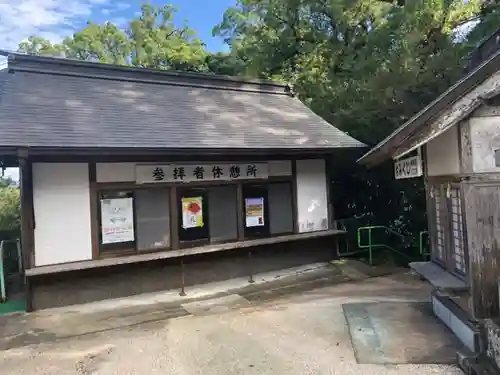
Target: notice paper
[(117, 220), (254, 208), (192, 212)]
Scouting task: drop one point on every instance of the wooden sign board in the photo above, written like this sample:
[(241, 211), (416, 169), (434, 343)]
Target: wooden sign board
[(408, 168)]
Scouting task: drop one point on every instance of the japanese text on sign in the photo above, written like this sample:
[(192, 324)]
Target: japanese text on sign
[(200, 172), (408, 168)]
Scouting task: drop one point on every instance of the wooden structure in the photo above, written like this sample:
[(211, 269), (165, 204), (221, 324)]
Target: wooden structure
[(137, 180), (458, 139)]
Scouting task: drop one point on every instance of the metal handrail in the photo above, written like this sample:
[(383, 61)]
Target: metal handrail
[(370, 246), (421, 243)]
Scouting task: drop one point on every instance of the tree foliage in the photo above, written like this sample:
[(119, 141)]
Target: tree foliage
[(10, 207), (366, 66), (150, 40)]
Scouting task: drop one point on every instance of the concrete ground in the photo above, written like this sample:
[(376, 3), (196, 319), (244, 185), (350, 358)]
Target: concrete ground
[(310, 324)]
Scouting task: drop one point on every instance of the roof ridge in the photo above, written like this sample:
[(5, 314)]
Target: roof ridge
[(19, 61)]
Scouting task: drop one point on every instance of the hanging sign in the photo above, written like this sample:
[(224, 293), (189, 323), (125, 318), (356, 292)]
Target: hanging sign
[(117, 220), (200, 172), (254, 208), (192, 212), (408, 168)]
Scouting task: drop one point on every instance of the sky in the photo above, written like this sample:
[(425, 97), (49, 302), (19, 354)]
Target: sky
[(55, 19)]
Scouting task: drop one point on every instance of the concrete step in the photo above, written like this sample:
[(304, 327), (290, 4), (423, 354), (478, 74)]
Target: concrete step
[(483, 367)]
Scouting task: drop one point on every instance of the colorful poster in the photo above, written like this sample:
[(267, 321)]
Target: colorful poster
[(254, 208), (192, 212), (117, 220)]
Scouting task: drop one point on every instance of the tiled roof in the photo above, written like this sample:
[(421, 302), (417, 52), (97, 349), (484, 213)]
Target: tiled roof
[(50, 102)]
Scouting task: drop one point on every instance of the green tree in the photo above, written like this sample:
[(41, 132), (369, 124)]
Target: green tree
[(36, 45), (364, 65), (104, 43), (158, 43), (10, 208), (226, 63), (352, 61), (150, 40)]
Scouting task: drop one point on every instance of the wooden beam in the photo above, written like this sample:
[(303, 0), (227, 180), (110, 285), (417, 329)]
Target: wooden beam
[(329, 200), (27, 221), (94, 220), (463, 212), (452, 115), (465, 147), (431, 207), (295, 202), (240, 212), (169, 254), (174, 218)]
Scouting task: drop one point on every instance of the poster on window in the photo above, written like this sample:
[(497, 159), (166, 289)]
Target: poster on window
[(117, 220), (254, 208), (192, 212)]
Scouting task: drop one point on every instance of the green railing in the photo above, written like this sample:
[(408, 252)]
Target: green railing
[(423, 245), (11, 263), (372, 244)]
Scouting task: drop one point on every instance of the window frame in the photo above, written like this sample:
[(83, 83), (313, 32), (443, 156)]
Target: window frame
[(125, 248), (443, 204), (173, 189)]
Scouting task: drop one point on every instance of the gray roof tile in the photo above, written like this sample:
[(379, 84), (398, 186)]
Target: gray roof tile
[(54, 110)]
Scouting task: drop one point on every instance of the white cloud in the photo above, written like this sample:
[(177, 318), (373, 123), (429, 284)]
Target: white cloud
[(122, 6), (53, 19), (105, 11), (12, 173)]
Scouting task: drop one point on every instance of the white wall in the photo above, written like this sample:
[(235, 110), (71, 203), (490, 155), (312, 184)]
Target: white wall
[(312, 201), (485, 139), (443, 154), (115, 172), (62, 213)]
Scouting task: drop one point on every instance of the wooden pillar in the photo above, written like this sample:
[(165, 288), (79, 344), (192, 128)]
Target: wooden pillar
[(329, 198), (174, 219), (27, 221), (240, 212), (94, 211), (295, 202), (482, 209)]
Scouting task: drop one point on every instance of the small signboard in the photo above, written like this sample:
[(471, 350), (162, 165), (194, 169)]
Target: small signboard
[(408, 168), (200, 172)]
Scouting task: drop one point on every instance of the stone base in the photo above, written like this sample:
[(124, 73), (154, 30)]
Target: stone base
[(457, 321)]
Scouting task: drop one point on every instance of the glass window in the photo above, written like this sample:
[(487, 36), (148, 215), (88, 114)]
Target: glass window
[(222, 212), (280, 208), (153, 218)]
